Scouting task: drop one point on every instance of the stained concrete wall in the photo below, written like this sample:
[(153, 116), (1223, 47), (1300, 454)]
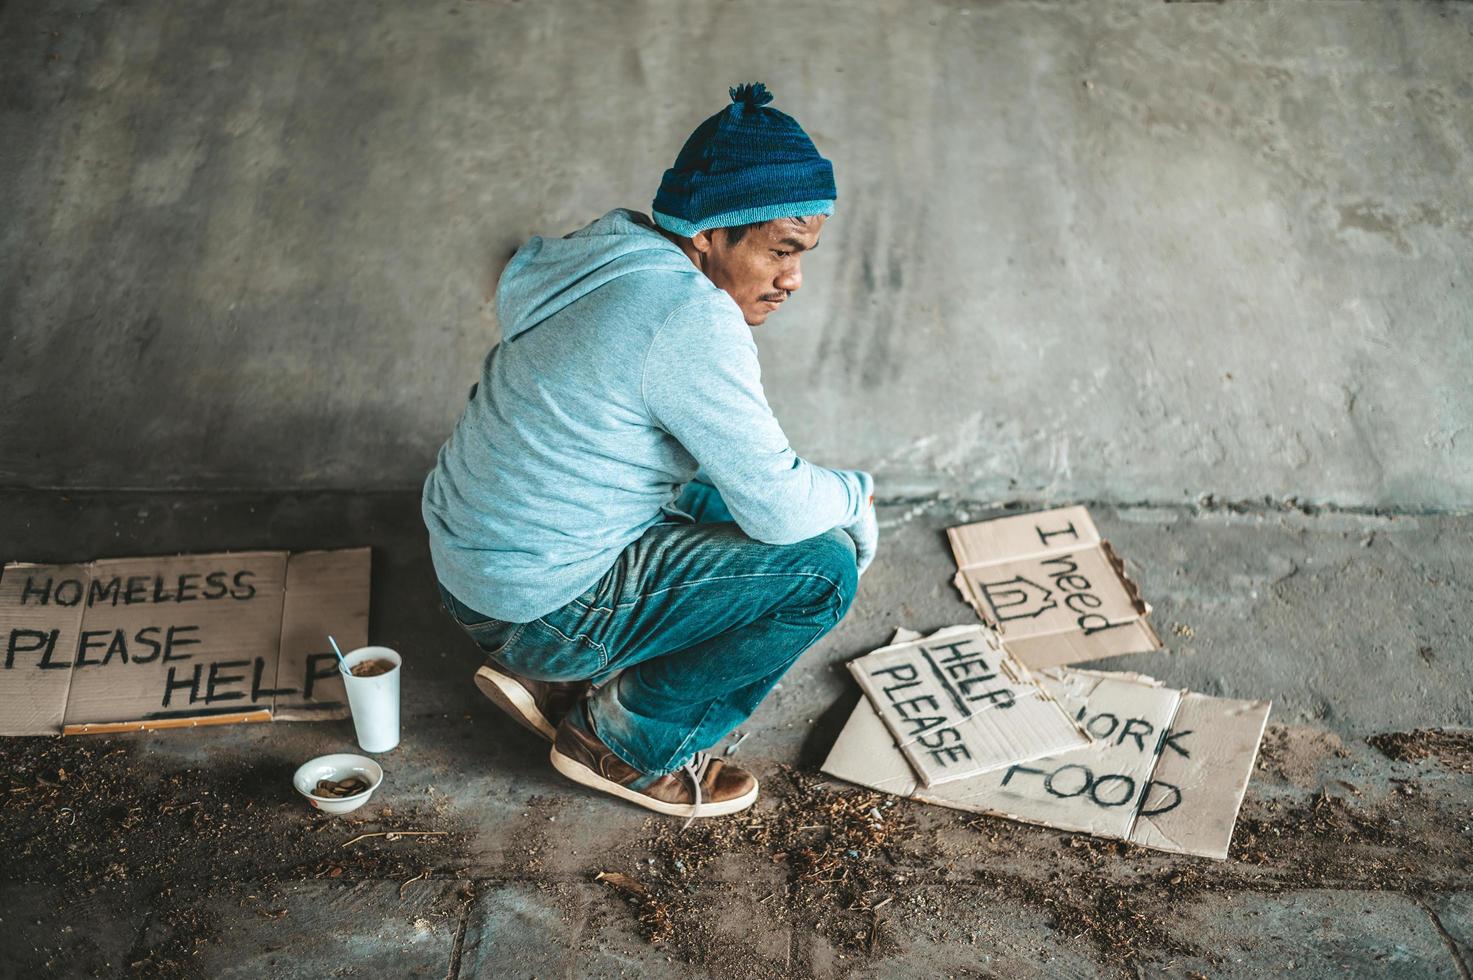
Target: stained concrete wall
[(1125, 251)]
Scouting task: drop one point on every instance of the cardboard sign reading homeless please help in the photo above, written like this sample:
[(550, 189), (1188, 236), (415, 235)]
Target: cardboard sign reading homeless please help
[(1052, 587), (193, 639), (958, 704)]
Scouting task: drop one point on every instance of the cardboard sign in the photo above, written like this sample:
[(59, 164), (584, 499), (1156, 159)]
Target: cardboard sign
[(958, 704), (326, 593), (1167, 768), (136, 643), (1051, 587), (39, 642)]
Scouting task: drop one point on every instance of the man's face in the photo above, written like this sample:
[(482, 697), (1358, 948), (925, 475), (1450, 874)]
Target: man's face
[(762, 269)]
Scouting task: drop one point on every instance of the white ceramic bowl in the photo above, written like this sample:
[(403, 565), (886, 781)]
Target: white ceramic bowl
[(339, 766)]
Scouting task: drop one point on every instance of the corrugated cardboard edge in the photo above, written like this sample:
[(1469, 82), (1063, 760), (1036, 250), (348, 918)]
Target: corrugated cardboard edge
[(970, 598), (104, 728), (953, 538), (1131, 589)]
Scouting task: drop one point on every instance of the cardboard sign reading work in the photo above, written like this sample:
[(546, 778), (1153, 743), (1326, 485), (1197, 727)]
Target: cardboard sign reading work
[(958, 704), (187, 640), (1052, 587), (1167, 768)]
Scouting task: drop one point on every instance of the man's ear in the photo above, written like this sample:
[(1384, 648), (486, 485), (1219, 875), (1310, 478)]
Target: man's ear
[(701, 240)]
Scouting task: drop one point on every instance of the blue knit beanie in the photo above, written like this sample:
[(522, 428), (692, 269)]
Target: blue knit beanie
[(745, 164)]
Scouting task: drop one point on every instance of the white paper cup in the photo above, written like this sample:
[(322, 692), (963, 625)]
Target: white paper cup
[(374, 700)]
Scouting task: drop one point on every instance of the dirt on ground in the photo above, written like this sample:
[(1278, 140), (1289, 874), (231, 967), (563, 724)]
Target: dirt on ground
[(1452, 749), (853, 864), (840, 858), (817, 879), (1295, 754), (83, 816)]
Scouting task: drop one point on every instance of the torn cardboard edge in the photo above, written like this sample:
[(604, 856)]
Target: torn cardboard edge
[(1056, 592), (178, 641), (957, 704), (1168, 768)]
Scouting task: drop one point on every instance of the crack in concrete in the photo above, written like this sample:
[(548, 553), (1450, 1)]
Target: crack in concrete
[(575, 937), (1293, 571), (1206, 503), (134, 951), (1448, 940), (457, 948)]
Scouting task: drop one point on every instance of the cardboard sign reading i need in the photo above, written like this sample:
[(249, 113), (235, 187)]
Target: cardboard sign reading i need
[(133, 643), (1052, 587)]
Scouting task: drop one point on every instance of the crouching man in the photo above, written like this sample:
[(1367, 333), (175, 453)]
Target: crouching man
[(634, 611)]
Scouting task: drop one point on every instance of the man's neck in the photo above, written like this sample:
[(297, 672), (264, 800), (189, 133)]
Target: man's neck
[(684, 244)]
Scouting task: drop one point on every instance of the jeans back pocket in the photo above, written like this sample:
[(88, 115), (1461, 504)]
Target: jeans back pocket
[(491, 635)]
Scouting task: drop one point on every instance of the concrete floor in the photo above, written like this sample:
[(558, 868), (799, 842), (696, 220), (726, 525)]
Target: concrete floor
[(1202, 264), (1348, 622)]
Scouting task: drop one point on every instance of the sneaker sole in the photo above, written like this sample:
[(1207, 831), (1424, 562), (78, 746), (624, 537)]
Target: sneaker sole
[(503, 691), (579, 773)]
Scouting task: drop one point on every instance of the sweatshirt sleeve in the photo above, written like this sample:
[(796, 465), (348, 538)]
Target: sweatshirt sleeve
[(703, 385)]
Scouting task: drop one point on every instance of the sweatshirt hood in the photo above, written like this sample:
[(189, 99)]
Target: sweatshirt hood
[(548, 274)]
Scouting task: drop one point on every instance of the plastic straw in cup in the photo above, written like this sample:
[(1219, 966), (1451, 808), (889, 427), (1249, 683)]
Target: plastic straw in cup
[(341, 661)]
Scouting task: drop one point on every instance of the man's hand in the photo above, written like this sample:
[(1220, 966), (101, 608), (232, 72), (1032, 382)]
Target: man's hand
[(866, 535)]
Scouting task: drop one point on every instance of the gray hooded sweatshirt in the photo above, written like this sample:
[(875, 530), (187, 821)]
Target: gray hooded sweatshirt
[(622, 370)]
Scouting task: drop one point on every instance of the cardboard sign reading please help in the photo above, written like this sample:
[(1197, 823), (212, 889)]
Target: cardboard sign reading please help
[(1166, 768), (958, 704), (1053, 589), (133, 643)]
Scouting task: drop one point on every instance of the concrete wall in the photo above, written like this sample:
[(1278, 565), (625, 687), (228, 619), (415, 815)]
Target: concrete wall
[(1125, 251)]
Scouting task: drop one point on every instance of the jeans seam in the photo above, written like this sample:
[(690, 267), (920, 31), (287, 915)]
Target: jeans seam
[(727, 578), (603, 654), (680, 749), (587, 608), (515, 635), (623, 754), (831, 607)]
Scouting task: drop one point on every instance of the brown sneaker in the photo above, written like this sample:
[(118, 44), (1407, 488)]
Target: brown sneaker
[(538, 705), (704, 787)]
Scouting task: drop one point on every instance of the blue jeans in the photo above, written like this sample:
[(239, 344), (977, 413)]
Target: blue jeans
[(685, 634)]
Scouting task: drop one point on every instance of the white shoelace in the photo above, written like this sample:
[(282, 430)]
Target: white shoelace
[(696, 770)]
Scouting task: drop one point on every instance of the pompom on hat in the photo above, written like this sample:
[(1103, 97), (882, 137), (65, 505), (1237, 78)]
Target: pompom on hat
[(747, 163)]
